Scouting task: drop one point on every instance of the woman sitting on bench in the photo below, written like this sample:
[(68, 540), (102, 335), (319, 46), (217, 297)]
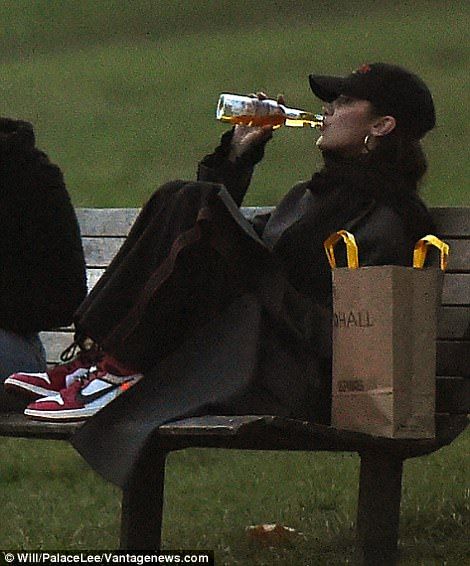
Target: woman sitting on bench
[(228, 317)]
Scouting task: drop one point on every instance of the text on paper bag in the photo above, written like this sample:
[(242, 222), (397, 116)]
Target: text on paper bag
[(361, 319)]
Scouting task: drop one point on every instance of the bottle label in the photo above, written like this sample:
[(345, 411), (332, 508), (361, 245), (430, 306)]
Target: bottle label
[(235, 105), (243, 106)]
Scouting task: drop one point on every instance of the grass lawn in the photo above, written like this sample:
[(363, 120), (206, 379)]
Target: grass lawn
[(50, 499), (124, 98), (122, 95)]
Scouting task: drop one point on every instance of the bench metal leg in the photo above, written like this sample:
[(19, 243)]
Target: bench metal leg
[(378, 510), (142, 503)]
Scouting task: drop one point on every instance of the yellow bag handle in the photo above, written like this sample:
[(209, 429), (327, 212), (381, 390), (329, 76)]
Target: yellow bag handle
[(351, 248), (421, 249)]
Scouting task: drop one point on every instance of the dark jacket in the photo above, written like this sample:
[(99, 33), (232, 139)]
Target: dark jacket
[(42, 268), (374, 202)]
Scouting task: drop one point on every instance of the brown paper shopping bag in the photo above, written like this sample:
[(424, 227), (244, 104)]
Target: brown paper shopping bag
[(384, 343)]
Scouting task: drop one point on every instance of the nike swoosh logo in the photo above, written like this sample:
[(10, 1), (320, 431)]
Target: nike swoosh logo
[(85, 399)]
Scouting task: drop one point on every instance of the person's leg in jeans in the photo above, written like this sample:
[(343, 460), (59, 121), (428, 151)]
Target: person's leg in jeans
[(18, 352)]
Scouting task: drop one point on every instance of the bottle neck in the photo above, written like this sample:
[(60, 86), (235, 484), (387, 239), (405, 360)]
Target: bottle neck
[(301, 118)]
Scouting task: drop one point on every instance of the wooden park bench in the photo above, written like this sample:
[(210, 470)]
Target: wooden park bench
[(104, 230)]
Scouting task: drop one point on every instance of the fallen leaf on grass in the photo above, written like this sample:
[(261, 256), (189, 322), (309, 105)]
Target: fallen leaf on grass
[(272, 534)]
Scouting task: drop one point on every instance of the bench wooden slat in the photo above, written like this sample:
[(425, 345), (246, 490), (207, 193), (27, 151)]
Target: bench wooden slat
[(452, 221), (450, 328), (118, 221), (453, 395), (55, 342), (218, 425), (274, 433), (106, 221), (92, 276), (255, 432), (456, 289), (251, 211), (454, 323), (19, 426), (100, 251), (453, 358), (459, 255), (99, 257)]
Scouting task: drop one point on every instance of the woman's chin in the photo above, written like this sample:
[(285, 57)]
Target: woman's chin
[(323, 145)]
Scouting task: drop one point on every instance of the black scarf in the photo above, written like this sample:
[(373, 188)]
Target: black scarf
[(344, 186), (344, 190)]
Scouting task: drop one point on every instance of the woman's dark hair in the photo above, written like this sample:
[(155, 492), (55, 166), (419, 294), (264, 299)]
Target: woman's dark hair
[(401, 150), (401, 156)]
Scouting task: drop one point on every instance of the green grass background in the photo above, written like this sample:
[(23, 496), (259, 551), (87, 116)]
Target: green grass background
[(50, 499), (122, 95)]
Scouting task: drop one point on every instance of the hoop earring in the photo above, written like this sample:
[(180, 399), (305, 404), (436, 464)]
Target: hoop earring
[(366, 143)]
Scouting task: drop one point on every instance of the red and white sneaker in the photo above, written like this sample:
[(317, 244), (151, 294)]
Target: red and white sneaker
[(83, 398), (36, 385)]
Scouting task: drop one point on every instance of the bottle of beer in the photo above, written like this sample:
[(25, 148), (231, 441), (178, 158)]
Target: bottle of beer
[(248, 111)]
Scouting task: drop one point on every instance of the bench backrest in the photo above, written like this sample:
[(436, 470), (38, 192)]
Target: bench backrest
[(104, 230)]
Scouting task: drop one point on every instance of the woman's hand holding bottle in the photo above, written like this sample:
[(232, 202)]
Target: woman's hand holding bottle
[(246, 138)]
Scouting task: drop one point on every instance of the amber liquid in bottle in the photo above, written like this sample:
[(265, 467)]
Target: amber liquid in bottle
[(244, 110)]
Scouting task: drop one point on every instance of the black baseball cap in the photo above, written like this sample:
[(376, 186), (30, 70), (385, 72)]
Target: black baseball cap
[(392, 90)]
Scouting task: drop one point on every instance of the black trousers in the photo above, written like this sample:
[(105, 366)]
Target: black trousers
[(198, 303), (188, 255)]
